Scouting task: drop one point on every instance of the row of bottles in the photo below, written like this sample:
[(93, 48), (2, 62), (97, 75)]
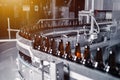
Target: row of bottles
[(25, 34), (49, 46), (112, 67), (44, 44), (44, 24), (37, 42), (99, 60)]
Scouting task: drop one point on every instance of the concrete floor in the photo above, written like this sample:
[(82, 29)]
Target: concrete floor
[(8, 67)]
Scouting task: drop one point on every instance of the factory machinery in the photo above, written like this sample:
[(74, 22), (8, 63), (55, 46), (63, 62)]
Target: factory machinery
[(86, 48)]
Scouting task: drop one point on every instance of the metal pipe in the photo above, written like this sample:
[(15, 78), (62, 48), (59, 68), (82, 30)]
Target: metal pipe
[(78, 35), (8, 40), (55, 19), (54, 10), (86, 4), (92, 8), (92, 20), (15, 30), (9, 34), (96, 24)]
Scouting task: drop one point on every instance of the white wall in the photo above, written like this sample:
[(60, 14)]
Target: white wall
[(100, 4), (116, 5)]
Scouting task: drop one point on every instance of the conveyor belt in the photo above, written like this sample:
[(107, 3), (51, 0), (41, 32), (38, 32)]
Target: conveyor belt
[(74, 67)]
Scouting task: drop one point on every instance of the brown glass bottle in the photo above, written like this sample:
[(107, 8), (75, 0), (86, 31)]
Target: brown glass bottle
[(99, 59), (86, 54), (35, 43), (113, 69), (40, 43), (111, 60), (68, 48), (21, 33), (47, 44), (61, 49), (53, 47), (26, 35), (68, 54), (87, 57), (40, 40), (29, 36), (78, 53)]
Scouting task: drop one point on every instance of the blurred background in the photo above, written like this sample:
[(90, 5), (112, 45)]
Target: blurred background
[(28, 12)]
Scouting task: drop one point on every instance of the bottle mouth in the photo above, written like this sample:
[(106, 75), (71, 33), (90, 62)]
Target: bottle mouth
[(76, 44), (110, 52), (86, 46), (98, 49)]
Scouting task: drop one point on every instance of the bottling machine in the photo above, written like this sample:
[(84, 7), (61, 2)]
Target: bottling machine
[(83, 48)]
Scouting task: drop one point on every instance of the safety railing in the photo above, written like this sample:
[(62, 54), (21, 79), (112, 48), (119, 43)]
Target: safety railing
[(9, 33)]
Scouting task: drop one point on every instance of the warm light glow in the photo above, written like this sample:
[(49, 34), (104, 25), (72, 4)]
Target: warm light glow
[(11, 2), (78, 55)]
